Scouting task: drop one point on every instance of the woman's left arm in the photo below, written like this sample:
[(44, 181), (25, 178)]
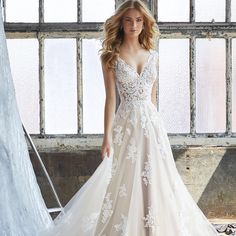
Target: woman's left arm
[(154, 93)]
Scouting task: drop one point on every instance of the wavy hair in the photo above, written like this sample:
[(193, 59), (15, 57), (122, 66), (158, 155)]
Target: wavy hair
[(114, 35)]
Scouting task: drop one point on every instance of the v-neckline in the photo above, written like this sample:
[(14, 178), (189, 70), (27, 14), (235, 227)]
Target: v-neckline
[(133, 69)]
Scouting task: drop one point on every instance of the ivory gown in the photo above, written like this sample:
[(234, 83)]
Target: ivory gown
[(137, 191)]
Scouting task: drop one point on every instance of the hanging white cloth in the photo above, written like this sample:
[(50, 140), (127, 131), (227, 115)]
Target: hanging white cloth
[(22, 208)]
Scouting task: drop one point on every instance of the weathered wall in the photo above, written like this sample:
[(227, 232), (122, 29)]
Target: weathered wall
[(209, 174)]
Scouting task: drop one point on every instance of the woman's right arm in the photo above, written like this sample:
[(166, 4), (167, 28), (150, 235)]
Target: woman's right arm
[(109, 111)]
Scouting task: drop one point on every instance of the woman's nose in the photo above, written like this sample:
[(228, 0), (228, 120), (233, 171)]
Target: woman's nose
[(133, 23)]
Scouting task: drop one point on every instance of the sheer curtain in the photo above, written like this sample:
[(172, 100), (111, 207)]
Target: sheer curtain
[(22, 209)]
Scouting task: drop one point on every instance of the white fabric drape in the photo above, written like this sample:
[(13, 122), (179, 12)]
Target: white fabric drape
[(22, 209)]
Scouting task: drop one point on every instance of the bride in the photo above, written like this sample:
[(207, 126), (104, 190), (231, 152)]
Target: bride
[(136, 190)]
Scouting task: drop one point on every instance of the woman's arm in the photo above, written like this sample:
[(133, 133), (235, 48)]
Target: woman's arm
[(154, 93), (109, 111), (154, 87)]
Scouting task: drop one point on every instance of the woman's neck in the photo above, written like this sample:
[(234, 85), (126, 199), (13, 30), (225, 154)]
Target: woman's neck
[(131, 44)]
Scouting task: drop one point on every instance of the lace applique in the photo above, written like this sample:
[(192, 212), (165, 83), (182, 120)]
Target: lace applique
[(147, 173), (107, 208), (132, 151), (144, 123), (163, 153), (114, 166), (154, 118), (132, 86), (158, 139), (122, 191), (89, 222), (128, 131), (118, 136), (121, 227), (132, 119), (149, 219)]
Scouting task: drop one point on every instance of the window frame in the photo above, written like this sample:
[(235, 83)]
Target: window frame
[(91, 30)]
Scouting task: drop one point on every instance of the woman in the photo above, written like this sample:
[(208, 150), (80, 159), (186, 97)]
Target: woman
[(136, 190)]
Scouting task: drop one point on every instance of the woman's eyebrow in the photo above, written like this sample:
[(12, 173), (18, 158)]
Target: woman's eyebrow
[(129, 17)]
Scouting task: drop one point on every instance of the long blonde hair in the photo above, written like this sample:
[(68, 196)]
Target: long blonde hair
[(113, 34)]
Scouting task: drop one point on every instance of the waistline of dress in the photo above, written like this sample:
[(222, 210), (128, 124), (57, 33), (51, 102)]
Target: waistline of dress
[(135, 102)]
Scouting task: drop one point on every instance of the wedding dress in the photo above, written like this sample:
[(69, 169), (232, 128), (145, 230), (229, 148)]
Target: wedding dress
[(137, 191), (22, 209)]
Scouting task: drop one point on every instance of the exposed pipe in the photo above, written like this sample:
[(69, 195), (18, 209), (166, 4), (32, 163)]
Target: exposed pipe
[(44, 168)]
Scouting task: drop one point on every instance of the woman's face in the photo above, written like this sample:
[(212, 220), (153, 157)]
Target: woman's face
[(132, 22)]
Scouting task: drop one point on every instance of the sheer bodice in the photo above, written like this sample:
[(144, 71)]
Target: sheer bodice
[(133, 87)]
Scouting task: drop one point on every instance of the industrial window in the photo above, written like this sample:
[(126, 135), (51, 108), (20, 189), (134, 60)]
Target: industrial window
[(53, 49)]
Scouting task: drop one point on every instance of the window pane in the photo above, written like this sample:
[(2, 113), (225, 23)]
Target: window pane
[(210, 9), (18, 11), (60, 11), (98, 13), (234, 85), (233, 11), (93, 88), (179, 10), (60, 86), (211, 95), (174, 84), (23, 54)]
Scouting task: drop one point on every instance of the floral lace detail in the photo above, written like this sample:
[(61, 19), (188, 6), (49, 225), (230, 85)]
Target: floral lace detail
[(107, 208), (114, 166), (121, 227), (163, 153), (128, 131), (135, 91), (119, 135), (89, 221), (154, 118), (132, 151), (132, 86), (133, 119), (144, 123), (149, 219), (147, 173), (122, 191)]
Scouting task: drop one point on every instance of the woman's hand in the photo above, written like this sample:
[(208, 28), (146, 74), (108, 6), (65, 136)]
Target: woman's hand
[(106, 148)]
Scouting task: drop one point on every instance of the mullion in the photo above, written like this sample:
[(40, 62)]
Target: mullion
[(79, 72), (192, 11), (3, 4), (41, 86), (229, 86), (41, 72), (41, 11), (228, 11), (192, 84)]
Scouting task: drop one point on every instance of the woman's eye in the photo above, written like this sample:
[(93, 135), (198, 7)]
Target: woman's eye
[(139, 20)]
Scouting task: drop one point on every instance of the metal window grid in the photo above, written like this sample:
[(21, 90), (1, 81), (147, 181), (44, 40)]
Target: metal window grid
[(171, 30)]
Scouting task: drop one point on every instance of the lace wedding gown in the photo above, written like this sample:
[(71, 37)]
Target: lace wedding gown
[(137, 191)]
